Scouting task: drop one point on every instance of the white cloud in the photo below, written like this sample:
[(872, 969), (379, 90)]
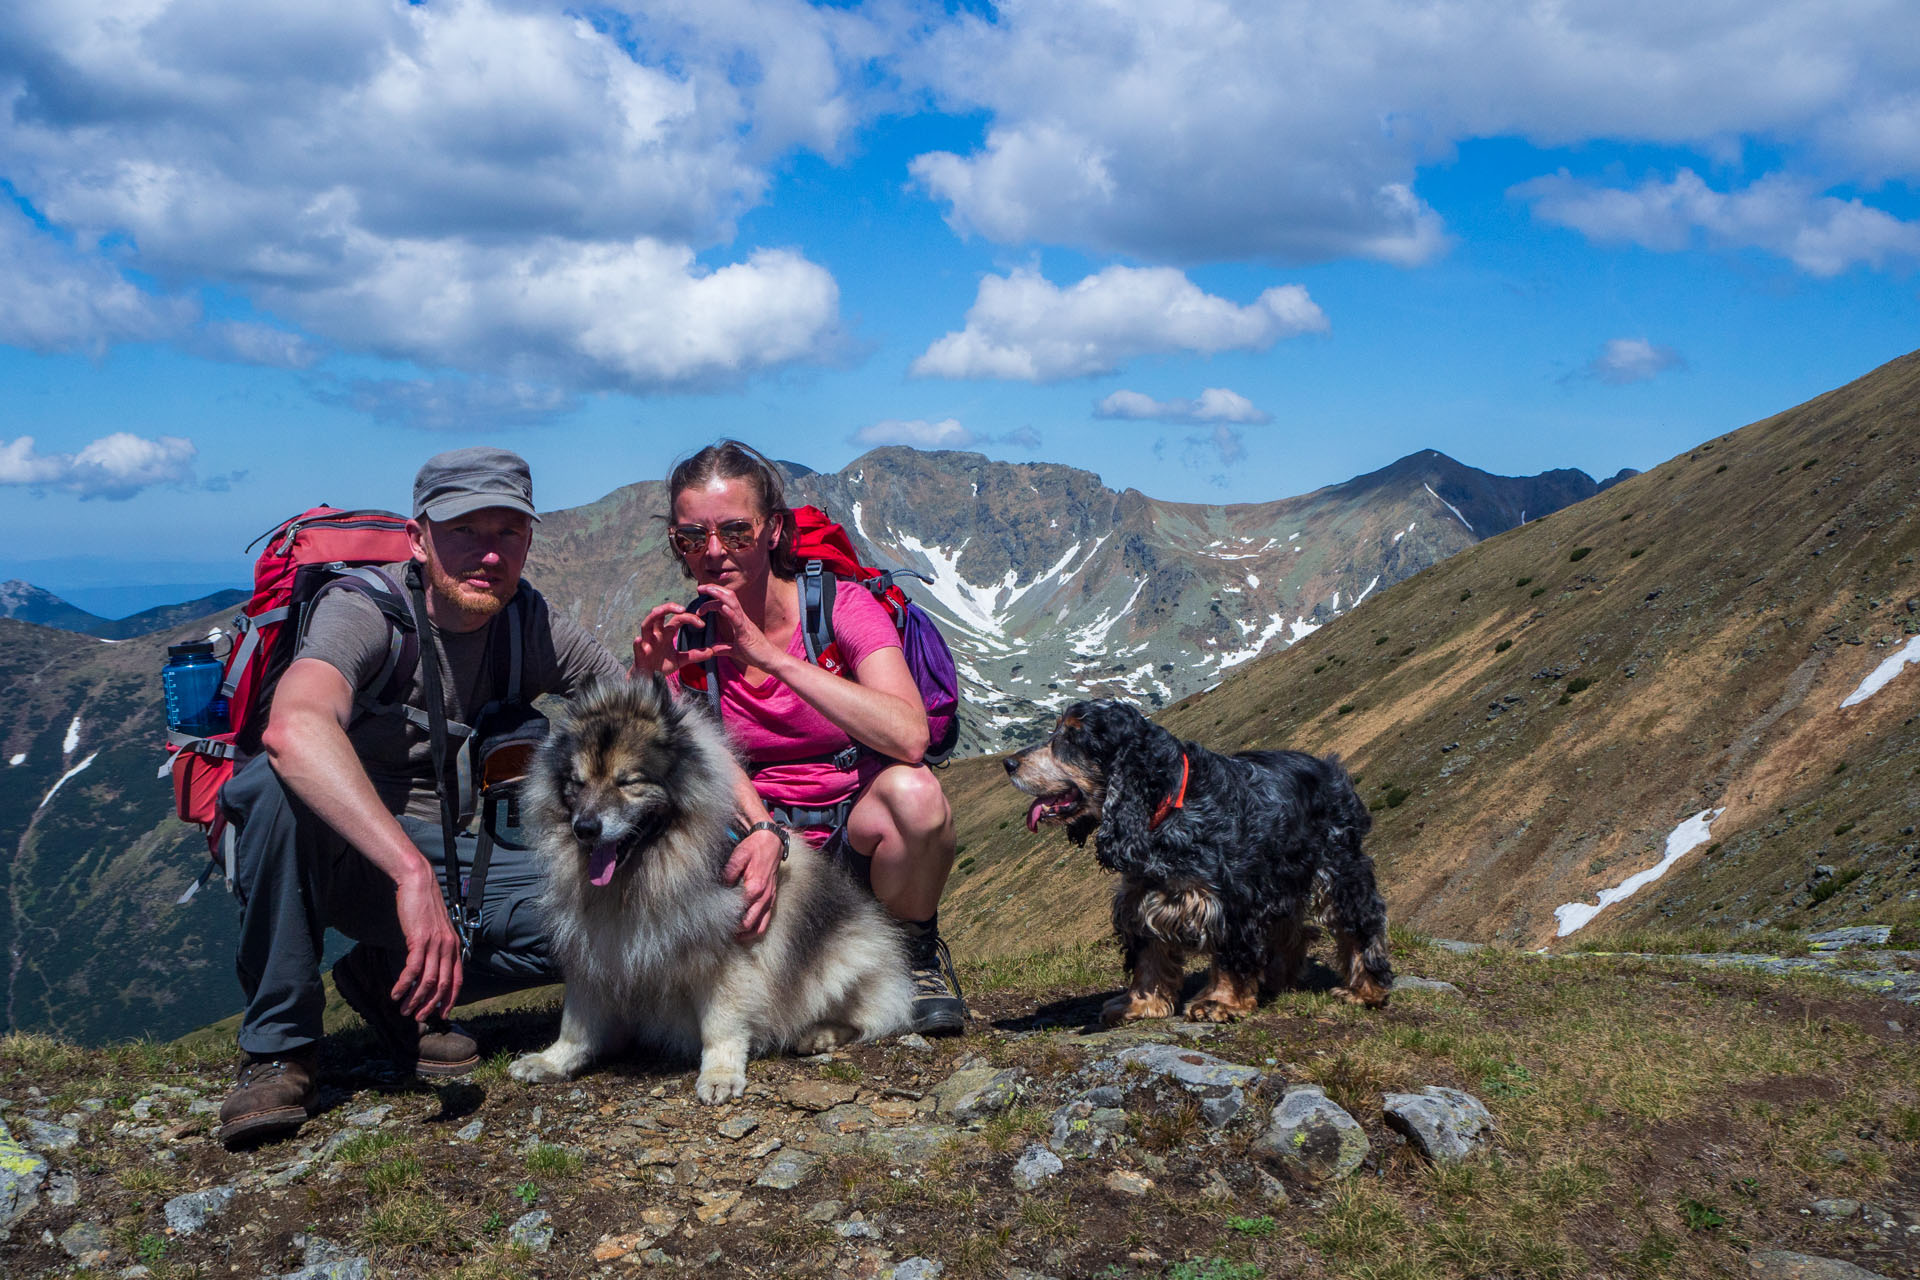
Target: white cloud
[(441, 182), (1216, 404), (1229, 129), (1024, 328), (1626, 360), (453, 403), (114, 467), (918, 432), (55, 297), (1780, 215)]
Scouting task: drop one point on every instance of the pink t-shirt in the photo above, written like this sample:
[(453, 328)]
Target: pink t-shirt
[(769, 722)]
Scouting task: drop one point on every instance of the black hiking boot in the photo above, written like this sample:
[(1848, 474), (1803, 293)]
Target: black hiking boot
[(272, 1097), (938, 1007), (364, 977)]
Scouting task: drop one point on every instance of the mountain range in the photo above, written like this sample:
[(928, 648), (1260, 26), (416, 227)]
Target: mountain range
[(24, 602)]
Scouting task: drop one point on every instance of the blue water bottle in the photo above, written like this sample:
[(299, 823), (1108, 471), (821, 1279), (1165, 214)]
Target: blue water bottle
[(192, 682)]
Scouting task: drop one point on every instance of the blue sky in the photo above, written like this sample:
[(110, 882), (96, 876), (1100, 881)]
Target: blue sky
[(253, 258)]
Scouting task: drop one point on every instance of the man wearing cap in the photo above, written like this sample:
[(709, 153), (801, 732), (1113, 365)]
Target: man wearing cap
[(339, 820)]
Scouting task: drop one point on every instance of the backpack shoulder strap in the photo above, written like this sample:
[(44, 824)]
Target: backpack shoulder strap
[(378, 587), (817, 588)]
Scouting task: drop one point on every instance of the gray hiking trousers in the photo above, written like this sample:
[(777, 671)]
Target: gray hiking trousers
[(296, 877)]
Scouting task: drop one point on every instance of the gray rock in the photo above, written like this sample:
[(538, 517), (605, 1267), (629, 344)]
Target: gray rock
[(913, 1143), (915, 1041), (1105, 1096), (1034, 1167), (334, 1269), (737, 1127), (860, 1229), (787, 1170), (533, 1231), (1311, 1135), (1459, 948), (918, 1269), (1080, 1128), (1444, 1125), (1216, 1111), (371, 1118), (1778, 1264), (471, 1131), (315, 1250), (973, 1095), (1189, 1067), (1861, 935), (1407, 982), (21, 1173), (63, 1189), (1837, 1209), (823, 1211), (44, 1136), (188, 1213), (86, 1243)]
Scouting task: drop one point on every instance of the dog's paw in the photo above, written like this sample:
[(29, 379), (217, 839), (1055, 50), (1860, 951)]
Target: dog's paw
[(1212, 1011), (535, 1068), (825, 1038), (720, 1084), (1129, 1007)]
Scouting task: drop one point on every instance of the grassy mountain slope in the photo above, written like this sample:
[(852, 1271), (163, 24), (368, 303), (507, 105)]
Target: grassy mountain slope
[(1532, 717)]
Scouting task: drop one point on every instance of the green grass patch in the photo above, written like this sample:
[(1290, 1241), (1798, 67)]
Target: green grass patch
[(552, 1161), (1579, 554), (1834, 884), (1395, 797), (1078, 965), (1579, 684), (1536, 593), (362, 1148), (1503, 646), (1345, 708), (1523, 582)]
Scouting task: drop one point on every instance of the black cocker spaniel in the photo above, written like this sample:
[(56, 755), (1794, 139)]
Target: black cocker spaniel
[(1224, 856)]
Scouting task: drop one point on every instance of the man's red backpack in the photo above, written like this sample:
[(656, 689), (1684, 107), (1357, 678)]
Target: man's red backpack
[(826, 554), (318, 549)]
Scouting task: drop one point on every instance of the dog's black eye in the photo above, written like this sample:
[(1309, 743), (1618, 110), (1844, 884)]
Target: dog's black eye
[(575, 782), (626, 780)]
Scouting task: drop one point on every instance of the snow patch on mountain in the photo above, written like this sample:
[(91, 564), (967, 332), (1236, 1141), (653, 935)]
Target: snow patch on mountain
[(63, 780), (1448, 505), (72, 740)]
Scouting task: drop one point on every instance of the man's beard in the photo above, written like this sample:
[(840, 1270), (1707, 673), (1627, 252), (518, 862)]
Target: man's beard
[(468, 599)]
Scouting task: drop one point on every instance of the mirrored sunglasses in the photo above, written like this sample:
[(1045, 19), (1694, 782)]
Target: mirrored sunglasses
[(734, 535)]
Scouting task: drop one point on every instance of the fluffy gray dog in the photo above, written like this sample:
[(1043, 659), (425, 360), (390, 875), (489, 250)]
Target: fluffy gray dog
[(629, 805)]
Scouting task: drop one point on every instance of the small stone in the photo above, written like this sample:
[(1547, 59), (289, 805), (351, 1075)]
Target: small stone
[(761, 1150), (188, 1213), (895, 1110), (915, 1041), (918, 1269), (738, 1127), (1272, 1189), (855, 1230), (1080, 1128), (1836, 1155), (334, 1269), (660, 1219), (21, 1174), (471, 1131), (657, 1155), (1034, 1167), (818, 1095), (1190, 1067), (1127, 1183), (63, 1189), (1407, 982), (371, 1118), (823, 1211), (714, 1206), (1837, 1209), (1459, 948), (787, 1170), (976, 1094), (846, 1120), (315, 1250), (533, 1231), (1217, 1188), (614, 1248), (1779, 1264), (1864, 935), (86, 1243), (1310, 1134), (1444, 1125), (49, 1137)]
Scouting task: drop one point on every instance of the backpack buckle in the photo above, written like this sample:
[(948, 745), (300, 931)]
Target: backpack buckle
[(844, 760)]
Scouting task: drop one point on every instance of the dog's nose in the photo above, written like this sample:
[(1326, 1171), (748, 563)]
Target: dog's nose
[(1013, 764), (586, 827)]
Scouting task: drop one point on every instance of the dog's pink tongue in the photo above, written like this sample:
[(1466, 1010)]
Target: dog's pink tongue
[(1033, 815), (600, 866)]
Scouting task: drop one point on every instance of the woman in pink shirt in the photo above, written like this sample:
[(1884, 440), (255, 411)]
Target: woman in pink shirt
[(876, 805)]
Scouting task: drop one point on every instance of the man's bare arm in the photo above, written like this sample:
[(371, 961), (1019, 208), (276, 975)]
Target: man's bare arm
[(306, 742)]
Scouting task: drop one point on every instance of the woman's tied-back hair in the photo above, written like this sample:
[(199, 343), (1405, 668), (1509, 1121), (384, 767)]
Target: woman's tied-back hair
[(732, 460)]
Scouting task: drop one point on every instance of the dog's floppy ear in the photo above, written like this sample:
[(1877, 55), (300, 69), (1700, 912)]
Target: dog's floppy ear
[(1142, 771)]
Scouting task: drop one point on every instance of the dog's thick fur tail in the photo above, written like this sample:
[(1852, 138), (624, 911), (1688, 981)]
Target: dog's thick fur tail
[(1351, 905)]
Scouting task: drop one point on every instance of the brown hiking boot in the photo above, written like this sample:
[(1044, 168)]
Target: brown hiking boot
[(364, 977), (272, 1097)]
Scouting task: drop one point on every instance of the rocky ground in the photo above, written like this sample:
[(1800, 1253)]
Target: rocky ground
[(1508, 1114)]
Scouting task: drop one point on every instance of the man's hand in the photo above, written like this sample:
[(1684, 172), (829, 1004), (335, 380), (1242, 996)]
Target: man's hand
[(755, 867), (429, 985)]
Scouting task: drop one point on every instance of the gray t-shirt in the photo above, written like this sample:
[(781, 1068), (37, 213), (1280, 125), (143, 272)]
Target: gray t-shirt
[(347, 632)]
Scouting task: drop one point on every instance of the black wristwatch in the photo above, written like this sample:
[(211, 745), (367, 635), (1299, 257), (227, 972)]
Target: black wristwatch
[(786, 834)]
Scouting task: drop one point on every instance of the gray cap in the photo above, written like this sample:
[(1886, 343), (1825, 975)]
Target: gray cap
[(461, 480)]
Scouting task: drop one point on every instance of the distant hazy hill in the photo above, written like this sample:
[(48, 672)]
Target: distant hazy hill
[(1534, 717), (24, 602), (1051, 586)]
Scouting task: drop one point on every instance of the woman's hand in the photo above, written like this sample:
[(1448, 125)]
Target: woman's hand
[(755, 867), (747, 643), (653, 648)]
